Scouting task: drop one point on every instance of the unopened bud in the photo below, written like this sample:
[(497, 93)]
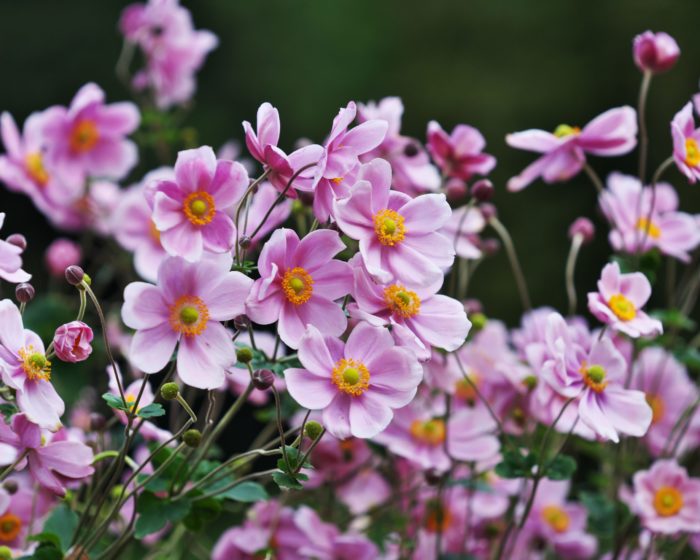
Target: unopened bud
[(411, 149), (97, 422), (192, 438), (472, 305), (5, 553), (18, 240), (170, 391), (263, 379), (244, 355), (583, 227), (244, 242), (241, 323), (488, 211), (74, 275), (478, 320), (312, 429), (456, 189), (490, 246), (24, 292), (483, 190), (10, 486)]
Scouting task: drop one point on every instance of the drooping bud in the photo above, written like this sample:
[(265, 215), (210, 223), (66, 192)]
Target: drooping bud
[(24, 292), (263, 379), (244, 242), (97, 422), (583, 227), (192, 438), (483, 190), (10, 486), (74, 275), (456, 189), (490, 246), (312, 429), (478, 320), (488, 211), (241, 322), (170, 391), (60, 254)]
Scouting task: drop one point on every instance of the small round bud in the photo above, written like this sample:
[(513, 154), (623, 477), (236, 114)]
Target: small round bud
[(263, 379), (490, 246), (488, 211), (97, 422), (478, 320), (244, 355), (74, 275), (10, 486), (5, 553), (18, 240), (472, 305), (483, 190), (583, 227), (192, 438), (456, 189), (433, 477), (24, 292), (61, 254), (411, 150), (170, 391), (312, 429), (241, 323), (244, 242), (117, 490)]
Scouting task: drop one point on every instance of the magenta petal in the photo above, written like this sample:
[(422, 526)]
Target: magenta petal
[(426, 213), (151, 349), (194, 169), (317, 248), (183, 240), (366, 343), (324, 314), (308, 389), (219, 235), (144, 306), (227, 298), (368, 416)]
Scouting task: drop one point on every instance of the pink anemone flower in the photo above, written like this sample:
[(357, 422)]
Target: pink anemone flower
[(460, 153), (686, 143), (11, 260)]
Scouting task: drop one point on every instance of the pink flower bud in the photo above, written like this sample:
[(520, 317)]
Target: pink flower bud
[(488, 210), (72, 342), (61, 254), (583, 227), (483, 190), (655, 52), (455, 189)]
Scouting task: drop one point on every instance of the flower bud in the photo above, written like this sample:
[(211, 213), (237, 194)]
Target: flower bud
[(169, 391), (60, 254), (583, 227), (74, 275), (655, 52), (472, 305), (244, 242), (488, 210), (312, 429), (10, 486), (192, 438), (241, 322), (24, 292), (72, 342), (490, 246), (97, 422), (5, 553), (478, 320), (263, 379), (411, 149), (18, 240), (483, 190), (244, 355), (456, 189)]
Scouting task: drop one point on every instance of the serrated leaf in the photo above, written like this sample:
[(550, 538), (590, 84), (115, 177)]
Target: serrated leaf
[(562, 467), (152, 410)]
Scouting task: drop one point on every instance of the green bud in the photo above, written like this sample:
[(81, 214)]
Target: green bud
[(192, 438), (244, 355), (169, 391), (5, 553), (312, 429), (117, 491), (478, 320)]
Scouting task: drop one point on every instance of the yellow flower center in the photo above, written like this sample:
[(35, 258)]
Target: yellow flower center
[(464, 390), (565, 130), (199, 208), (351, 376), (437, 517), (189, 315), (153, 231), (337, 180), (692, 152), (650, 227), (35, 364), (34, 165), (623, 308), (594, 377), (402, 302), (656, 403), (84, 136), (10, 526), (388, 225), (556, 518), (297, 285), (431, 432), (668, 501)]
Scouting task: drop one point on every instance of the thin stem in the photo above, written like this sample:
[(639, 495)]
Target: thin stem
[(10, 469), (242, 203), (595, 179), (576, 244), (514, 262), (641, 116)]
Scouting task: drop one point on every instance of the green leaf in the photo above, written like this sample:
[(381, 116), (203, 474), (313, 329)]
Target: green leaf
[(690, 357), (8, 410), (62, 522), (46, 538), (246, 492), (155, 513), (286, 481), (115, 401), (674, 319), (203, 512), (601, 513), (561, 468), (45, 552), (515, 464), (152, 410)]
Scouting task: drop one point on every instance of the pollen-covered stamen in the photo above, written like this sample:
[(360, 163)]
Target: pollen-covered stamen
[(351, 376), (430, 432), (297, 285), (84, 136), (594, 377), (389, 227), (658, 408), (668, 501), (153, 231), (199, 207), (564, 130), (189, 315), (402, 302), (651, 229), (337, 180), (623, 308), (34, 165), (10, 526), (556, 518), (437, 517), (35, 364), (692, 152)]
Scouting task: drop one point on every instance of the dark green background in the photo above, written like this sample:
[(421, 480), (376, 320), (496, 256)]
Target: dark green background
[(500, 65)]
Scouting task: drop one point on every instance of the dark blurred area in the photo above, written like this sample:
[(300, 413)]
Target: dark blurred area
[(499, 65)]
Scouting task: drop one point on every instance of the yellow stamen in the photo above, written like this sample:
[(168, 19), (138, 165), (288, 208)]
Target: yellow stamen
[(84, 136), (189, 315), (199, 208), (565, 130), (337, 180), (594, 377), (437, 517), (668, 501), (556, 518), (658, 408), (623, 308), (297, 285), (464, 390), (10, 526), (351, 377), (692, 152), (389, 227), (431, 432), (34, 165), (650, 227), (153, 231), (402, 302), (35, 364)]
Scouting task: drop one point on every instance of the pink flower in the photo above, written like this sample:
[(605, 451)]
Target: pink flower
[(655, 52), (666, 499), (419, 319), (61, 254), (611, 134), (463, 229), (673, 233), (71, 342), (619, 301), (192, 212), (89, 137), (11, 260), (358, 383), (267, 133), (53, 464), (299, 283), (25, 368), (686, 151), (187, 306), (238, 376), (459, 154), (260, 203), (397, 234), (19, 509)]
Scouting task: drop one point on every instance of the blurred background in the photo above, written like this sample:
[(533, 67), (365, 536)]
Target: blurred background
[(499, 65)]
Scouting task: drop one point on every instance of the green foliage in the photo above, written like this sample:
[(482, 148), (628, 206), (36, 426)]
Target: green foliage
[(246, 492), (516, 465), (155, 513), (8, 410), (202, 514), (601, 513), (115, 401), (59, 528), (648, 265), (153, 410), (673, 319), (562, 467)]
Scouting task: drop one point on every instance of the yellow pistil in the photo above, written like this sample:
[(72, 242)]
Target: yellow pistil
[(566, 130), (84, 136), (437, 517), (34, 165), (668, 501), (189, 315), (464, 390), (351, 376), (298, 285), (389, 227), (594, 377), (10, 526), (623, 308), (35, 364), (431, 432), (199, 208), (658, 408), (556, 518), (650, 227), (692, 152), (402, 302)]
